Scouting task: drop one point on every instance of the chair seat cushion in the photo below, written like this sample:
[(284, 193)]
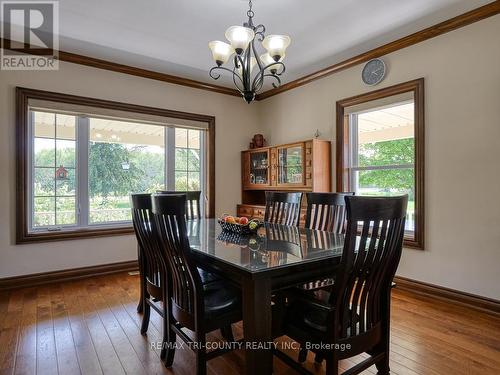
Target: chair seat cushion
[(208, 277), (221, 298)]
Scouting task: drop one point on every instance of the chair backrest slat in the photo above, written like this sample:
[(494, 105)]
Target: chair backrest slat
[(193, 198), (326, 211), (283, 208), (372, 249)]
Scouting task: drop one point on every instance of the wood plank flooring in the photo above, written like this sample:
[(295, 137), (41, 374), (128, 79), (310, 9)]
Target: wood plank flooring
[(91, 327)]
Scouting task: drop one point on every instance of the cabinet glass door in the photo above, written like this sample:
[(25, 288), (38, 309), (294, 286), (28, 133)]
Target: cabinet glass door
[(259, 168), (290, 165)]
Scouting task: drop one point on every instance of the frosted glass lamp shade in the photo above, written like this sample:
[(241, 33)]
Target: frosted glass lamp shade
[(267, 60), (221, 52), (276, 45), (239, 37)]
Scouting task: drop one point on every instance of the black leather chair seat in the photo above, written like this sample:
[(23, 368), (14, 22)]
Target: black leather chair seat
[(208, 277), (310, 319), (221, 298)]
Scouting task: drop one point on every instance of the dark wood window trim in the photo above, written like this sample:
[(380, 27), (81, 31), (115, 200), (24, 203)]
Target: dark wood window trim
[(23, 95), (417, 87)]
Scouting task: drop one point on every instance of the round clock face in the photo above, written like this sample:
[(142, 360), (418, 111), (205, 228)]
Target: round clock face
[(373, 72)]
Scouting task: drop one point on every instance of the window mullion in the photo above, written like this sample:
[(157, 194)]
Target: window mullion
[(170, 160), (82, 149)]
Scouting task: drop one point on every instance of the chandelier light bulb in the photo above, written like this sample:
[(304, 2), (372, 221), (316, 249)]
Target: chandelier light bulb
[(268, 60), (221, 52), (239, 37), (276, 45)]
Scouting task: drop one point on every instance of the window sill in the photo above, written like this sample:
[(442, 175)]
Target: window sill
[(34, 237)]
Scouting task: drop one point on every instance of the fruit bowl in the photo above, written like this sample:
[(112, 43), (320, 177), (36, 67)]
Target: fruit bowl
[(250, 227)]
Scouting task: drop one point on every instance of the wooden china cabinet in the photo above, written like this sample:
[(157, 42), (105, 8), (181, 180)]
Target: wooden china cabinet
[(301, 166)]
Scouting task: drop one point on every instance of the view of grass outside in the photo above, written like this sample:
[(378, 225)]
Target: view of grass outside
[(187, 160), (54, 199), (385, 155), (119, 163)]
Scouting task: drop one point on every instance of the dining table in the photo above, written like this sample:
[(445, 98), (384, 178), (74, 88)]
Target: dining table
[(274, 258)]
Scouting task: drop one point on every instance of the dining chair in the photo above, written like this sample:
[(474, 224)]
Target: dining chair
[(325, 212), (283, 208), (153, 264), (193, 212), (355, 317), (199, 307), (193, 198)]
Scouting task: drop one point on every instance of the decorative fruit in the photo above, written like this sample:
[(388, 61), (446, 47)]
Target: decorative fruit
[(230, 220), (243, 220), (253, 225)]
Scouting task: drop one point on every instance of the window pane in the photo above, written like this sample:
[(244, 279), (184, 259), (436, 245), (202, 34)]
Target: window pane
[(65, 185), (389, 182), (44, 212), (194, 139), (181, 159), (65, 153), (194, 181), (66, 211), (65, 126), (386, 136), (44, 124), (110, 209), (181, 181), (194, 160), (124, 157), (44, 152), (181, 136), (44, 181)]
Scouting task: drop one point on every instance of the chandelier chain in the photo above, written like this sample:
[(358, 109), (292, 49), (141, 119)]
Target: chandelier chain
[(250, 12)]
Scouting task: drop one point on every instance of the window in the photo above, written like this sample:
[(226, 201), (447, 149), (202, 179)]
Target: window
[(81, 163), (380, 149)]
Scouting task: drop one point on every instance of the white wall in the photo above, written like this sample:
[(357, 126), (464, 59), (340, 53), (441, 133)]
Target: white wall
[(235, 125), (462, 73), (462, 105)]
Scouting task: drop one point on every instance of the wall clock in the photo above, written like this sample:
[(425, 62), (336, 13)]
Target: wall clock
[(373, 72)]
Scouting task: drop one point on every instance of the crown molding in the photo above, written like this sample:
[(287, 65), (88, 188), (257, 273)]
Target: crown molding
[(454, 23), (135, 71)]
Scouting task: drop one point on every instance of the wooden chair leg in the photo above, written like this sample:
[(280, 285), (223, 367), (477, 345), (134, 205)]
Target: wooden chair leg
[(318, 358), (227, 333), (332, 365), (145, 318), (140, 305), (201, 358), (302, 355), (166, 334), (170, 346)]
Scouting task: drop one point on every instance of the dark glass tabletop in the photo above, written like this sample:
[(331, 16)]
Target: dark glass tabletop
[(273, 246)]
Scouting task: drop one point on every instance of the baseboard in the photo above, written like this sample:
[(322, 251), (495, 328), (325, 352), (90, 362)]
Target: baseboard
[(36, 279), (473, 301)]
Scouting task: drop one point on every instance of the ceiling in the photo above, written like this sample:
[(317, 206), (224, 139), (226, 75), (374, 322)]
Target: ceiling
[(171, 36)]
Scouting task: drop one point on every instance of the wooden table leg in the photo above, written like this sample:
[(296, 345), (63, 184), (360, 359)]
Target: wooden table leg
[(257, 323), (140, 258)]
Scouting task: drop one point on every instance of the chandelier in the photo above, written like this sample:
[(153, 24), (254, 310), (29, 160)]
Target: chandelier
[(246, 58)]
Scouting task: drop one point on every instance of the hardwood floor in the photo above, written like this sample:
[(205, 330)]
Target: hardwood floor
[(91, 326)]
